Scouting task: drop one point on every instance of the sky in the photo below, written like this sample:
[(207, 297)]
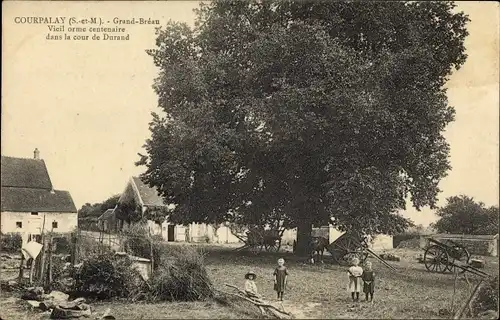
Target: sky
[(86, 105)]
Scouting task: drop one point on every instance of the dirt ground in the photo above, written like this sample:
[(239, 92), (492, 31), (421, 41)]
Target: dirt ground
[(314, 291)]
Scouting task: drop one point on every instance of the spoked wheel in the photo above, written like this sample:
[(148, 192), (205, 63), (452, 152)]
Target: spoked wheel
[(460, 257), (358, 254), (436, 259), (271, 247), (337, 254)]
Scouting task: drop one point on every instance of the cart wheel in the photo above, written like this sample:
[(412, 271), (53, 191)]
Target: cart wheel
[(462, 259), (347, 258), (436, 259), (337, 255), (271, 247)]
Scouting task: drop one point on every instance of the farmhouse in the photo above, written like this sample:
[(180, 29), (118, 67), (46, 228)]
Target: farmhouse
[(29, 202), (137, 193)]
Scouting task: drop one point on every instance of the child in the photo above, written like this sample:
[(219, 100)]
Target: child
[(251, 289), (280, 278), (354, 274), (368, 281), (250, 286)]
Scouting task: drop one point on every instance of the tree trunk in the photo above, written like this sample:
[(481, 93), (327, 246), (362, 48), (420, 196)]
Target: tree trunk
[(303, 239)]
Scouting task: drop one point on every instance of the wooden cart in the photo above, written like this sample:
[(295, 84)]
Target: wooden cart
[(353, 245), (348, 246), (258, 240), (448, 256)]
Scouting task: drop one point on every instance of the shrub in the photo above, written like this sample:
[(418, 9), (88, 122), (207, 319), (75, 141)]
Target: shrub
[(487, 297), (106, 276), (10, 242), (62, 245), (89, 247), (183, 278)]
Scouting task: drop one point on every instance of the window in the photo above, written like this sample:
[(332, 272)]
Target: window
[(34, 213), (54, 224), (19, 224)]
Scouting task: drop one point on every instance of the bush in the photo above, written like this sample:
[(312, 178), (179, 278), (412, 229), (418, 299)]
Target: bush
[(10, 242), (106, 276), (89, 247), (183, 278), (487, 297), (62, 245)]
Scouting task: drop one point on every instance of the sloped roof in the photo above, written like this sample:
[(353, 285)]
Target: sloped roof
[(148, 195), (36, 200), (25, 173), (106, 215)]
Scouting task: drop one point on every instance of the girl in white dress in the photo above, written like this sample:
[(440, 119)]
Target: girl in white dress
[(355, 281)]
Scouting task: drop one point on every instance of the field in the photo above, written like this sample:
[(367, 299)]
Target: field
[(315, 291)]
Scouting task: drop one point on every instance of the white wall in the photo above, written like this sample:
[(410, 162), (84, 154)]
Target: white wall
[(380, 242), (33, 224), (200, 232)]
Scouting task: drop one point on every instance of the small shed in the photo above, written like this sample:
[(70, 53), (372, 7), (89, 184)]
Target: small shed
[(483, 245), (142, 265), (107, 221)]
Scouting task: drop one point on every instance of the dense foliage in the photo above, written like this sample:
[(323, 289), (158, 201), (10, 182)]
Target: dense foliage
[(97, 209), (10, 242), (463, 215), (318, 112), (106, 276)]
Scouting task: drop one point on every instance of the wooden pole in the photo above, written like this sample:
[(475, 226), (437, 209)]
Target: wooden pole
[(40, 275), (50, 259), (454, 290), (151, 252), (32, 270), (458, 315), (21, 268), (43, 261)]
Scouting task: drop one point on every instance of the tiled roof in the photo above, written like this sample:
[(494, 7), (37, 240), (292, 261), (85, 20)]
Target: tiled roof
[(148, 195), (106, 215), (36, 200), (25, 173)]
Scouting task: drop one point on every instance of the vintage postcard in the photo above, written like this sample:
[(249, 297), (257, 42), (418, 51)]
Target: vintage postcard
[(277, 159)]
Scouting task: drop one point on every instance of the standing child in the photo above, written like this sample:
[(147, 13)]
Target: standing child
[(280, 278), (355, 272), (368, 281)]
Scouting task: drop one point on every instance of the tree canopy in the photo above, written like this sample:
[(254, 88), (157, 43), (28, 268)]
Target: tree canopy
[(463, 215), (316, 112), (95, 210)]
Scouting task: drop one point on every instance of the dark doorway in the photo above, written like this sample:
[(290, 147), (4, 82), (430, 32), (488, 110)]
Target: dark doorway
[(171, 232)]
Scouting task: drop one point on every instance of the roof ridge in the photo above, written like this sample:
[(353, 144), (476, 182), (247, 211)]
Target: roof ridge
[(15, 187), (24, 158)]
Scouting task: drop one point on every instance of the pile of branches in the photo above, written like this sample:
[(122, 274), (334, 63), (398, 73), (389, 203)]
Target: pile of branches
[(107, 276), (183, 278)]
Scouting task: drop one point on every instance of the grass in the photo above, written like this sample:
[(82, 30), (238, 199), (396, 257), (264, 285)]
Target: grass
[(314, 291)]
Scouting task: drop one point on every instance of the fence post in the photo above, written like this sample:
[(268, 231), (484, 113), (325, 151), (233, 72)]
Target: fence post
[(50, 260), (41, 278), (21, 267), (152, 259)]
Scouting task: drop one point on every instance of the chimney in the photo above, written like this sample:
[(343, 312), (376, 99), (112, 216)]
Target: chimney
[(36, 154)]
